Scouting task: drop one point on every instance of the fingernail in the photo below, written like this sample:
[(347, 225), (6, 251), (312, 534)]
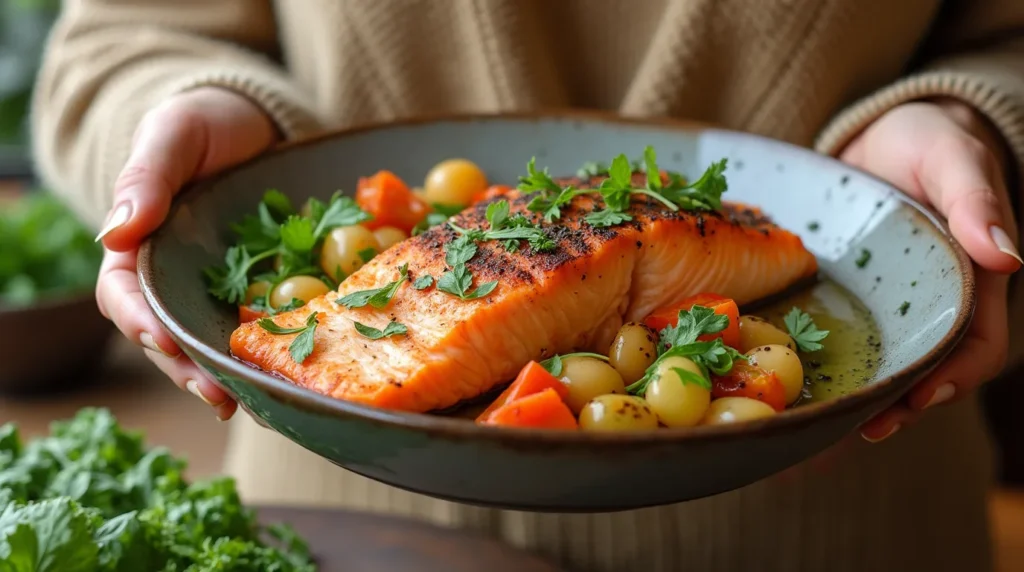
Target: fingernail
[(193, 387), (894, 429), (1004, 243), (118, 217), (149, 343), (943, 393)]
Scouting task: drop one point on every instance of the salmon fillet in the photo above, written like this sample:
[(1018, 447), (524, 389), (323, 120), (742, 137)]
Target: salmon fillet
[(572, 298)]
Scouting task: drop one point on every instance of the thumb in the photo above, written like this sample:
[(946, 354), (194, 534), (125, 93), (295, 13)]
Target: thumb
[(960, 178), (197, 133)]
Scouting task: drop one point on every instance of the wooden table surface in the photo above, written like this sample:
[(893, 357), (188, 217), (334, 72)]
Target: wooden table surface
[(343, 541)]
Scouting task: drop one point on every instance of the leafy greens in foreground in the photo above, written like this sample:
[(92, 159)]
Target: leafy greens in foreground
[(90, 497)]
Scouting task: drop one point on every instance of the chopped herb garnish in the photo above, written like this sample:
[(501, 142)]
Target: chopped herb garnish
[(813, 226), (603, 218), (302, 345), (904, 307), (804, 331), (432, 220), (447, 210), (458, 282), (392, 329), (509, 229), (681, 340), (914, 283), (687, 376), (423, 282), (377, 297), (862, 260), (280, 233), (554, 363)]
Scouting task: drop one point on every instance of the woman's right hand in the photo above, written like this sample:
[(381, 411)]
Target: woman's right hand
[(191, 135)]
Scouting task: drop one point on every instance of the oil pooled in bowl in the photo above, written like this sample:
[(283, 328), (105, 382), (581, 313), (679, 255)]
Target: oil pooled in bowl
[(852, 349)]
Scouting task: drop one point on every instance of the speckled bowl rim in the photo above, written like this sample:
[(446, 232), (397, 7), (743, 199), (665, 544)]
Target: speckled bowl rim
[(457, 428)]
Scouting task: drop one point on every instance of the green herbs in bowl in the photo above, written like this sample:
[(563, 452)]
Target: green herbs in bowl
[(91, 497), (51, 331), (46, 251)]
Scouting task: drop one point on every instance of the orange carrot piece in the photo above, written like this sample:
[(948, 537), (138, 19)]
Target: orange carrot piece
[(533, 378), (390, 202), (543, 410)]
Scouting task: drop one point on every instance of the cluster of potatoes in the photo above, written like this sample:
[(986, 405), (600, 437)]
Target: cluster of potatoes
[(597, 389)]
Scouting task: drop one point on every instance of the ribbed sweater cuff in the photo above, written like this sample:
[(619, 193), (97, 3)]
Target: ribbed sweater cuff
[(1004, 110), (292, 115)]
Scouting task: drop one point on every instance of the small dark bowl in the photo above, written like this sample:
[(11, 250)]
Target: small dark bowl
[(55, 344), (913, 256)]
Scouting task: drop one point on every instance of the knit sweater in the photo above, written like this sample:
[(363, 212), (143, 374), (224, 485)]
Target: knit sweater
[(810, 72)]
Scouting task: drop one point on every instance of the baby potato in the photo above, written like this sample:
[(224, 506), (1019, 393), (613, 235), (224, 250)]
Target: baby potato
[(755, 332), (256, 290), (736, 409), (633, 351), (786, 365), (617, 413), (678, 401), (587, 378), (454, 182), (345, 247), (304, 288), (388, 236)]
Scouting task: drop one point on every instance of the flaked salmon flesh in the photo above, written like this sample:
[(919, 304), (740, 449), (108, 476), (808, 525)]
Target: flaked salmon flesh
[(572, 298)]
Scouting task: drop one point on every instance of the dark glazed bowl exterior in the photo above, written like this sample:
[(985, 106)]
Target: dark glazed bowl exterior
[(575, 471), (53, 345)]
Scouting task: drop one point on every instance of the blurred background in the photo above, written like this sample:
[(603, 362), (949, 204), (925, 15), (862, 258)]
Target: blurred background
[(48, 264)]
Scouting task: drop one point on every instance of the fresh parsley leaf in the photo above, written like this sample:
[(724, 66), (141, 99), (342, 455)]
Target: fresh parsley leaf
[(804, 331), (343, 211), (535, 236), (460, 251), (367, 254), (458, 282), (703, 194), (497, 214), (653, 174), (692, 324), (863, 259), (423, 282), (903, 308), (554, 363), (278, 203), (618, 187), (551, 206), (230, 282), (392, 329), (687, 376), (297, 234), (377, 297), (302, 345), (258, 233), (537, 181), (606, 217)]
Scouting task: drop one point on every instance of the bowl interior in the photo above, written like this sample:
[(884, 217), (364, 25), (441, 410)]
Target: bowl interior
[(917, 283)]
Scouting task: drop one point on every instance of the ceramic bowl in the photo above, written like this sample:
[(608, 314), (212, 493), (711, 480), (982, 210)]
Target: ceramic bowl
[(54, 344), (455, 459)]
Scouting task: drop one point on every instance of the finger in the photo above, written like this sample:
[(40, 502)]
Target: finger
[(120, 300), (979, 357), (888, 423), (188, 377), (960, 177), (168, 146)]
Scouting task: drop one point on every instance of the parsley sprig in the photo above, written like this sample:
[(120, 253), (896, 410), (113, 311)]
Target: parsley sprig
[(712, 357), (549, 197), (392, 329), (804, 331), (278, 231), (302, 345), (376, 297)]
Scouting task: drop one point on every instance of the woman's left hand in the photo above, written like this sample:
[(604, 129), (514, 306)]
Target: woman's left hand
[(946, 155)]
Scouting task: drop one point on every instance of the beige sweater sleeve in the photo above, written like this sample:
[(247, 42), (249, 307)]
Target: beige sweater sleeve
[(976, 54), (108, 62)]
